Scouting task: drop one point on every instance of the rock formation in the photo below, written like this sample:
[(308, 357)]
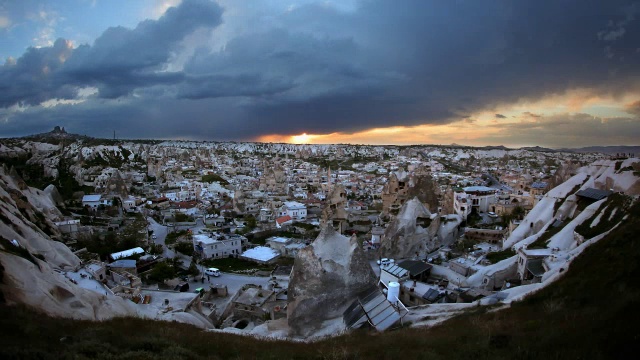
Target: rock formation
[(564, 172), (33, 267), (413, 231), (53, 193), (403, 186), (334, 213), (327, 276), (28, 258)]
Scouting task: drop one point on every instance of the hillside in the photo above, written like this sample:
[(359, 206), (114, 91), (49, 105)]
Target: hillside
[(589, 313)]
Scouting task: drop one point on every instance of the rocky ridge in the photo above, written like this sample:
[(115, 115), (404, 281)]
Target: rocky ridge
[(327, 276)]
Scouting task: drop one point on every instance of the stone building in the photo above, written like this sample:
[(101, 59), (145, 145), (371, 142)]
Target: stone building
[(403, 186), (274, 180), (334, 212)]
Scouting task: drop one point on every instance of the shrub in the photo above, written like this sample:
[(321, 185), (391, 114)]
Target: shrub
[(185, 248), (161, 272), (498, 256)]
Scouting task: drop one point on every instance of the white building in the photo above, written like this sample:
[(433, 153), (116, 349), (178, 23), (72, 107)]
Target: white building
[(129, 204), (127, 253), (296, 210), (278, 243), (462, 204), (95, 200), (480, 198), (217, 246), (68, 226), (260, 254)]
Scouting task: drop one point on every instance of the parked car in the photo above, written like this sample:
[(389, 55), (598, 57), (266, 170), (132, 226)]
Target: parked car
[(492, 214), (385, 262), (154, 237), (212, 272), (182, 287)]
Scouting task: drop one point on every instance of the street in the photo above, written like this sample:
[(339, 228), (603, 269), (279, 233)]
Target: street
[(233, 281), (160, 231)]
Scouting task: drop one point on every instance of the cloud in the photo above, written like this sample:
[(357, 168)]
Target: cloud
[(568, 130), (31, 79), (531, 115), (616, 30), (5, 22), (120, 60), (319, 68), (634, 108)]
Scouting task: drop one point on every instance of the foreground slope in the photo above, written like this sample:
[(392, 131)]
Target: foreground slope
[(590, 312)]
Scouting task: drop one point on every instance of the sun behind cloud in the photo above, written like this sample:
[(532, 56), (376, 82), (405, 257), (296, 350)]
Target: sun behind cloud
[(301, 139)]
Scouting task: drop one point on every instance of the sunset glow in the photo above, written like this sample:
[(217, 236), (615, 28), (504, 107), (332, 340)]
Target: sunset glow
[(301, 139), (489, 127)]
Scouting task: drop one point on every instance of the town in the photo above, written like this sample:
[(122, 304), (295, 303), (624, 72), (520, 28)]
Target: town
[(229, 236)]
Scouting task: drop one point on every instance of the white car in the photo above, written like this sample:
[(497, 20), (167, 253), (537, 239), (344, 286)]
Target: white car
[(154, 237), (212, 272), (385, 262), (492, 214)]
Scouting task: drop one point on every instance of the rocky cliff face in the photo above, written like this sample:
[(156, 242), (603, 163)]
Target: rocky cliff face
[(31, 263), (426, 190), (327, 276), (564, 172), (413, 231)]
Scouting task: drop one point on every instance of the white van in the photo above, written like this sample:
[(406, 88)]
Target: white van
[(212, 272), (385, 262)]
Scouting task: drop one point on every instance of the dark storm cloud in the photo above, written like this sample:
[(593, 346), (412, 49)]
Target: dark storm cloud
[(28, 80), (277, 61), (119, 61), (122, 60), (320, 70), (449, 60)]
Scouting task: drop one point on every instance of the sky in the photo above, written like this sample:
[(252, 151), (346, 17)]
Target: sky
[(516, 73)]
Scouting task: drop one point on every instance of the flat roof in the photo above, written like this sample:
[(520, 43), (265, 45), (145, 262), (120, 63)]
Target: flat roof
[(372, 308), (415, 267), (127, 253), (595, 194), (123, 264), (478, 189), (204, 239), (282, 240), (91, 198)]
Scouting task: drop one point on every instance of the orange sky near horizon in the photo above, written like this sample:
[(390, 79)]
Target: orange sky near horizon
[(487, 129)]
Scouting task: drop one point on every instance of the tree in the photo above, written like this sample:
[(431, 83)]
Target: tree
[(155, 249), (193, 269), (518, 212), (185, 248), (161, 272), (250, 222), (180, 217)]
